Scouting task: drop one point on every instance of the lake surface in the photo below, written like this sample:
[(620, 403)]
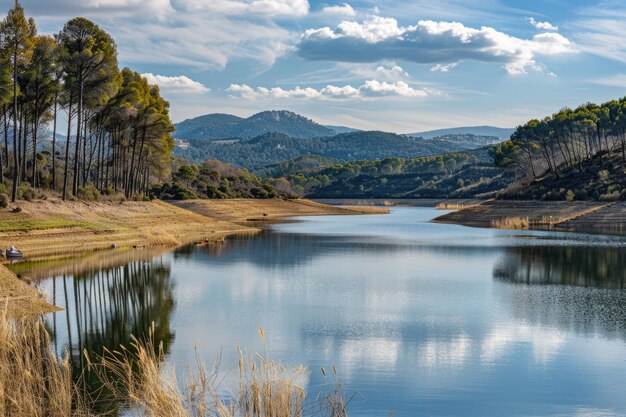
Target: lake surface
[(420, 318)]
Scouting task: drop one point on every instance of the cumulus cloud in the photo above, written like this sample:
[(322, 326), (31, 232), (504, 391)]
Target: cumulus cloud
[(429, 42), (343, 10), (370, 89), (256, 7), (394, 72), (543, 25), (176, 84)]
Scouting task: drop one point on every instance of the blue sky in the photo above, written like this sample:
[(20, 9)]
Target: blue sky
[(392, 65)]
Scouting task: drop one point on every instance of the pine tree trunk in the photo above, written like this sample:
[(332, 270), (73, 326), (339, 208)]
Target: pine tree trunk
[(78, 132), (54, 143), (16, 167), (67, 149)]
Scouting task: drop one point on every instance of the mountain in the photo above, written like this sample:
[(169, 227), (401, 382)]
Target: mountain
[(499, 132), (225, 126), (271, 148)]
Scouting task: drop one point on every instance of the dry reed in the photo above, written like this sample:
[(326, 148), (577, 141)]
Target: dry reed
[(514, 223), (34, 381), (454, 206)]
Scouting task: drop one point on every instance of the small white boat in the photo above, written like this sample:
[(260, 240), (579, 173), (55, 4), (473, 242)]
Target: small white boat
[(13, 253)]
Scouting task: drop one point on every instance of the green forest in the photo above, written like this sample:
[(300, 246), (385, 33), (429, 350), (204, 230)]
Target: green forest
[(573, 154), (117, 125)]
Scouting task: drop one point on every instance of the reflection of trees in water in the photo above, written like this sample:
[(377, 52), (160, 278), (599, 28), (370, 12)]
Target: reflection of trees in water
[(571, 289), (105, 308), (578, 266)]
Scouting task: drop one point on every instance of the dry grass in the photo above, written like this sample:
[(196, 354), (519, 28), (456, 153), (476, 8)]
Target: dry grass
[(266, 388), (18, 299), (34, 381), (514, 223), (367, 209), (241, 211), (455, 205)]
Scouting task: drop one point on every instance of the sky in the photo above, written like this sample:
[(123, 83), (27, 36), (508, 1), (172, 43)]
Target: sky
[(394, 65)]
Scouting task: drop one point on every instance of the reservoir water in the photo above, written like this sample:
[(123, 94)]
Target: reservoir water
[(421, 318)]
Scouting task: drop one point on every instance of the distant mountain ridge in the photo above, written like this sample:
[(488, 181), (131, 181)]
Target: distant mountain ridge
[(499, 132), (225, 126)]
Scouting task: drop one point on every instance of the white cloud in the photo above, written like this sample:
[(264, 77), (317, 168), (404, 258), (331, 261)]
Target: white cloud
[(177, 84), (375, 88), (394, 72), (443, 67), (370, 89), (268, 8), (429, 42), (543, 25), (343, 10)]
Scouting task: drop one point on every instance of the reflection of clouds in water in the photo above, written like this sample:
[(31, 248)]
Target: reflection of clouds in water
[(435, 354), (501, 341), (358, 353)]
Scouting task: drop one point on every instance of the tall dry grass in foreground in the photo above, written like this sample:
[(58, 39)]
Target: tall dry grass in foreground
[(34, 381)]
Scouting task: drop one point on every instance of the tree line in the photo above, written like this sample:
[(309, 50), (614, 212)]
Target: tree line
[(117, 126), (566, 140)]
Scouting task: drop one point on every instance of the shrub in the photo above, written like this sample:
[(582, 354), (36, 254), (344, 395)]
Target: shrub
[(108, 191), (171, 191), (614, 196), (28, 193), (88, 193), (4, 200), (569, 196)]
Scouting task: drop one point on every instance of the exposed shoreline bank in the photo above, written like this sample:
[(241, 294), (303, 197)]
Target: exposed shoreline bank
[(55, 231), (575, 216)]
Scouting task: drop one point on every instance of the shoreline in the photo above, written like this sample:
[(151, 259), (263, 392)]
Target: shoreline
[(576, 216), (54, 232)]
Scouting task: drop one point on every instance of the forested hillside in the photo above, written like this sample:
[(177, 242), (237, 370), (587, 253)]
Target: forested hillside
[(272, 148), (466, 174), (573, 154), (119, 125)]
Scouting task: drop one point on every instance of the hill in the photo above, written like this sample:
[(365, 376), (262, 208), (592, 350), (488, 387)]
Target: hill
[(304, 164), (271, 148), (500, 133), (225, 126), (456, 175), (602, 178)]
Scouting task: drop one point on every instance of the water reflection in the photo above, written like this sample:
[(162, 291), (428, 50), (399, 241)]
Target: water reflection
[(557, 265), (103, 309), (442, 321)]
